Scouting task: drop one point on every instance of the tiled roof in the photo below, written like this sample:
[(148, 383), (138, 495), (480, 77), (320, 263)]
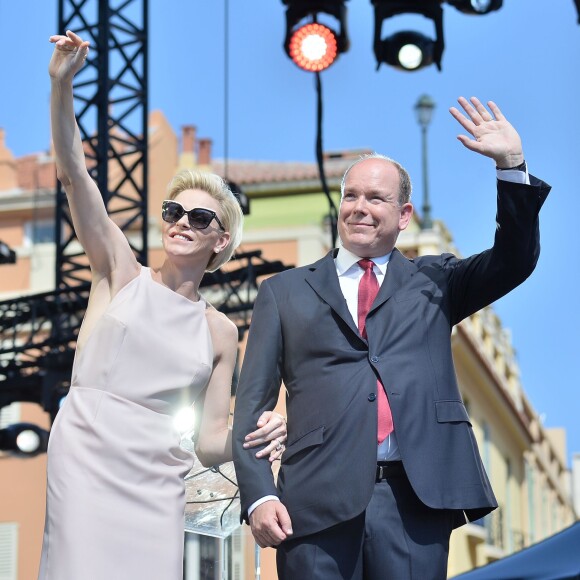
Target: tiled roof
[(32, 173), (257, 172)]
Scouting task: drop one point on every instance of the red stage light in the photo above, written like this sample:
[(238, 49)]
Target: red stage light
[(313, 47)]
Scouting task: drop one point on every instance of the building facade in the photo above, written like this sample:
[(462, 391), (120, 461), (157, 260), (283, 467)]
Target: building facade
[(526, 462)]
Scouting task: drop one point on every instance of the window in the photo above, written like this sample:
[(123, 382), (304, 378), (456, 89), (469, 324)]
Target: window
[(9, 415), (508, 506), (39, 232), (531, 501), (8, 551), (487, 448)]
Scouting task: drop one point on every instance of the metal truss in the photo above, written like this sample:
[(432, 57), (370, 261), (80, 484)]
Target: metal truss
[(38, 333), (111, 109), (37, 338), (234, 290)]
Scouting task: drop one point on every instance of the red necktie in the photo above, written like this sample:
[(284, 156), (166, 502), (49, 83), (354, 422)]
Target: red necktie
[(368, 289)]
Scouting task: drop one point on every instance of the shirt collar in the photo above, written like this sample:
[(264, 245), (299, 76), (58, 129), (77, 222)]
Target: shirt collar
[(345, 260)]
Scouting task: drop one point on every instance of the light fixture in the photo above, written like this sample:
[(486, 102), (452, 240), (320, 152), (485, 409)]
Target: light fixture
[(239, 194), (476, 6), (314, 46), (424, 108), (24, 439), (7, 254), (408, 50)]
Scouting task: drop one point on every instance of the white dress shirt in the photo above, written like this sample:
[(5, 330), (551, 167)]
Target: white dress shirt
[(349, 275)]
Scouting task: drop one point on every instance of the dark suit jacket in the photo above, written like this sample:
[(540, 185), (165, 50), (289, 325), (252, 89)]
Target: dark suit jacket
[(303, 334)]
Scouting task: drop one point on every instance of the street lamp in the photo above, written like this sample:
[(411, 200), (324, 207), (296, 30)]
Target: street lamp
[(424, 111)]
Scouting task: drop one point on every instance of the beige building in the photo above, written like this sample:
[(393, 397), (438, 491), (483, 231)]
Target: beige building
[(525, 461)]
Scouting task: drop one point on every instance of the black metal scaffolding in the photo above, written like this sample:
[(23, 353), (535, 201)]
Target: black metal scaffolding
[(111, 110), (38, 333)]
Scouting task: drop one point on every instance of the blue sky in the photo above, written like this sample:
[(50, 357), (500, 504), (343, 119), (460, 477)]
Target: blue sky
[(524, 56)]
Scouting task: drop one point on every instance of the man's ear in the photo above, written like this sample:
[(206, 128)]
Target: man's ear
[(405, 216)]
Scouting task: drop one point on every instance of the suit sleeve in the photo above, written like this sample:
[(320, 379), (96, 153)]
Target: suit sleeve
[(484, 278), (258, 391)]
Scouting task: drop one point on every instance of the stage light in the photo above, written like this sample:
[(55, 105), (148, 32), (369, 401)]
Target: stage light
[(7, 254), (411, 56), (314, 46), (408, 50), (476, 6), (23, 439), (242, 198)]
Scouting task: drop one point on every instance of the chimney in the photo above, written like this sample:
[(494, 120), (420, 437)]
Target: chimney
[(8, 177), (188, 138), (204, 156)]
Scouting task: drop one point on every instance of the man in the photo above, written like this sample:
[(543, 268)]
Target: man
[(372, 486)]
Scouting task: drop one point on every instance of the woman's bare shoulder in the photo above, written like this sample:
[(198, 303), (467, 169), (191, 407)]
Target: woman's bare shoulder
[(220, 325)]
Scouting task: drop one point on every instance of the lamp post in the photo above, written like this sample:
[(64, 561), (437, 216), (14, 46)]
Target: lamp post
[(424, 111)]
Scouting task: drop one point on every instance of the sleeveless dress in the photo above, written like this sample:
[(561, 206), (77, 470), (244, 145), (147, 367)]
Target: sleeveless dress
[(115, 493)]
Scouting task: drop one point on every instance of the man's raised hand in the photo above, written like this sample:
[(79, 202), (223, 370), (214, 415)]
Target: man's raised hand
[(493, 135)]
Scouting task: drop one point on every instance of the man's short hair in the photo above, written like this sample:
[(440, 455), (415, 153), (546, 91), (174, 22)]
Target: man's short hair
[(405, 187)]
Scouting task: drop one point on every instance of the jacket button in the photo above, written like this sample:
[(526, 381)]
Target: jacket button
[(374, 359), (372, 397)]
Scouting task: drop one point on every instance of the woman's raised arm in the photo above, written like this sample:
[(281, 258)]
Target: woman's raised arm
[(107, 249)]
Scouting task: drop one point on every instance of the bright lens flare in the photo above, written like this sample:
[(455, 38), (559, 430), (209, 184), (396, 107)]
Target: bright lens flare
[(184, 420), (410, 56), (313, 47)]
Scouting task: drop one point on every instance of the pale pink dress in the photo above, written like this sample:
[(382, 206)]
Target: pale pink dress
[(115, 497)]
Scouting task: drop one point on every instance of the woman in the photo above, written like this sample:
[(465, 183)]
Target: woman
[(115, 497)]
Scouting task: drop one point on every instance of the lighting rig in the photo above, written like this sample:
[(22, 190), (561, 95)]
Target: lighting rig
[(314, 46), (39, 335), (38, 332)]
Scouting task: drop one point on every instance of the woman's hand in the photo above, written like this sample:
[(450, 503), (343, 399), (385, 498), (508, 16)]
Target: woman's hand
[(70, 53), (271, 430)]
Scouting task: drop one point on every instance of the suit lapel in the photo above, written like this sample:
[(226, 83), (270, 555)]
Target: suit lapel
[(323, 279), (399, 271)]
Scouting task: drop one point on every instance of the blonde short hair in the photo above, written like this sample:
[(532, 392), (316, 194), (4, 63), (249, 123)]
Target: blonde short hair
[(230, 212)]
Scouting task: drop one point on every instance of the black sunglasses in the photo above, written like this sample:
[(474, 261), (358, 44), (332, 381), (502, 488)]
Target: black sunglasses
[(199, 217)]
